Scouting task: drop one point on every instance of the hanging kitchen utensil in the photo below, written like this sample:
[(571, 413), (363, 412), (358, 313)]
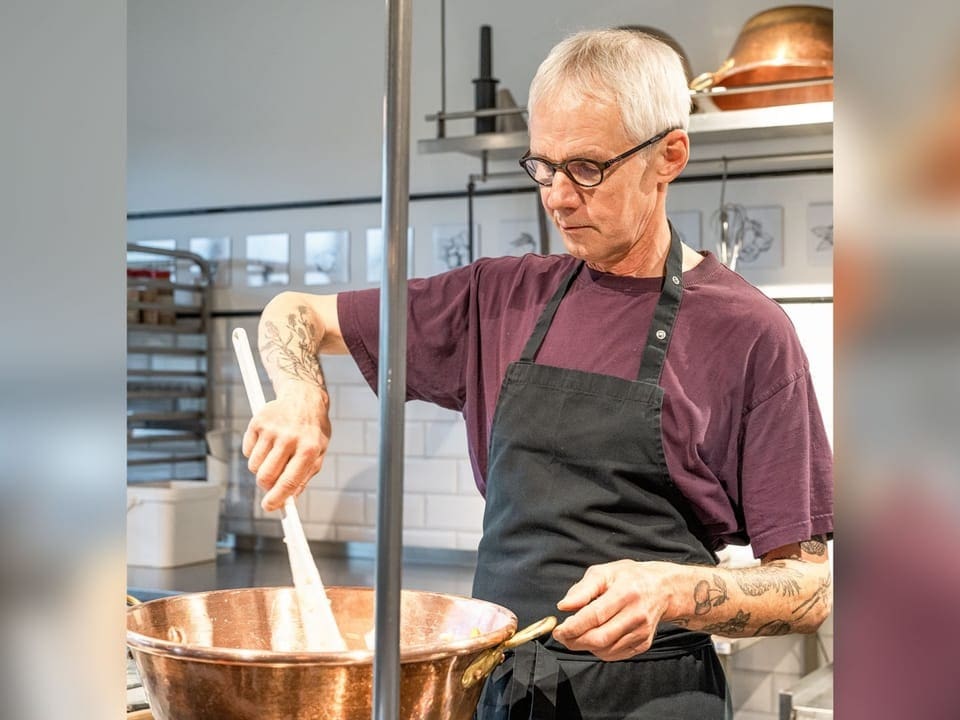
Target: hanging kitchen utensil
[(485, 86), (782, 44), (320, 627), (731, 226), (509, 122)]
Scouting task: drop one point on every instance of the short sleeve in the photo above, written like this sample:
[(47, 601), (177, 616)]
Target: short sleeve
[(786, 467), (437, 319)]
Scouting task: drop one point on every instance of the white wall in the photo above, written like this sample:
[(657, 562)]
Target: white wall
[(246, 101)]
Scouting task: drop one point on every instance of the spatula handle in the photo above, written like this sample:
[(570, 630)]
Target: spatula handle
[(320, 627)]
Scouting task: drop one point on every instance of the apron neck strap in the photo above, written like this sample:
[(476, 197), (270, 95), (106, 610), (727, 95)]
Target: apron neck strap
[(661, 329), (546, 317), (658, 338)]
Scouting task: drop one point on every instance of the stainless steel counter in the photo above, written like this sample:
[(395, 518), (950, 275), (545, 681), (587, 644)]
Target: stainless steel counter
[(265, 564)]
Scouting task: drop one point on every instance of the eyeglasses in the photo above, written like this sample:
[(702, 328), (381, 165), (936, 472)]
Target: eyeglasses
[(583, 171)]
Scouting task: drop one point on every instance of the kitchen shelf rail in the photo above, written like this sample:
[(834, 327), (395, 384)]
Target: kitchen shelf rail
[(169, 399), (806, 128)]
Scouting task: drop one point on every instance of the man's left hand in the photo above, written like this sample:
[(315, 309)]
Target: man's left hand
[(617, 607)]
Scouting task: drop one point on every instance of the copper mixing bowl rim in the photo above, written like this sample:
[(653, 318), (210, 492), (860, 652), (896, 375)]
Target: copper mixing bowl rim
[(241, 656)]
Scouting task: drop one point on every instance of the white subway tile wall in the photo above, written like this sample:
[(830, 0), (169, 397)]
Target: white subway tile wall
[(753, 691), (758, 673), (413, 510), (442, 507)]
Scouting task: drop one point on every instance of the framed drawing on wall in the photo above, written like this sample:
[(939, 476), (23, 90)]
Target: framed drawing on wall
[(519, 237), (268, 259), (451, 246), (327, 257), (215, 250), (820, 233), (755, 234), (761, 238)]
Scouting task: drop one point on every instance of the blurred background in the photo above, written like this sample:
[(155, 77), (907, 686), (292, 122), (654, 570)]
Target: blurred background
[(897, 259)]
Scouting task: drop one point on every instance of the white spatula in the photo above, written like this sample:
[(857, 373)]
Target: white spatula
[(319, 626)]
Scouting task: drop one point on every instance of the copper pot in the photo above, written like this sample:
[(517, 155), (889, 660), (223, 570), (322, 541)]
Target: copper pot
[(237, 655), (782, 44)]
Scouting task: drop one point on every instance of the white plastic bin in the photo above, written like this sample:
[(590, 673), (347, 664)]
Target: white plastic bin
[(172, 523)]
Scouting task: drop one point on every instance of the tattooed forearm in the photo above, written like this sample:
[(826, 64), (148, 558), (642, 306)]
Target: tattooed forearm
[(707, 596), (816, 545), (733, 626), (295, 348), (789, 592), (775, 576), (820, 595), (774, 627)]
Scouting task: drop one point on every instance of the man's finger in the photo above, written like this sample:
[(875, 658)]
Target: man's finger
[(290, 482), (249, 441), (609, 633), (273, 466), (258, 454), (582, 592)]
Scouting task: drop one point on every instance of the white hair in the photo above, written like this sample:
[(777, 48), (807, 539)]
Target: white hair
[(641, 74)]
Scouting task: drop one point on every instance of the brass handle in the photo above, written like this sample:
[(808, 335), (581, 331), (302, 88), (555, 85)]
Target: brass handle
[(491, 657), (701, 82), (131, 600), (706, 80)]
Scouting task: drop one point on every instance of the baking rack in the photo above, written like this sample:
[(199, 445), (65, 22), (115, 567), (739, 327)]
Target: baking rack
[(168, 389)]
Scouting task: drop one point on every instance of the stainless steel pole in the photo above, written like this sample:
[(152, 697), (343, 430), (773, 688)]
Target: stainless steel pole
[(392, 379)]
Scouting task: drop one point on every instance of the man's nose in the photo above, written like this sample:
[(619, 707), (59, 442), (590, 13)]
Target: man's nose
[(561, 193)]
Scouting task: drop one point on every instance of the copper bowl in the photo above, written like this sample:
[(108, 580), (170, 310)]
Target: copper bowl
[(782, 44), (237, 654)]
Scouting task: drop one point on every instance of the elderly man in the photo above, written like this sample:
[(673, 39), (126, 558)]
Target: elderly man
[(632, 407)]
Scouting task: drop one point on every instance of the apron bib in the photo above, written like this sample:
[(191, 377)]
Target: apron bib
[(577, 477)]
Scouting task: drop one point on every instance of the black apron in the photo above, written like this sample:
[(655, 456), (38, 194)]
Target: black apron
[(577, 477)]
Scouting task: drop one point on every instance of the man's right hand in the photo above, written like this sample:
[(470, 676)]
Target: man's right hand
[(286, 442)]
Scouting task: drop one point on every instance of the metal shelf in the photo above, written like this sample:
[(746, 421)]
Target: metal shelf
[(497, 146), (199, 374), (782, 122), (173, 416), (176, 310), (194, 327), (151, 350), (157, 439), (164, 393), (168, 411), (166, 460)]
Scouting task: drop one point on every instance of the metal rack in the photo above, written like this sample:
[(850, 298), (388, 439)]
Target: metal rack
[(168, 389), (803, 134)]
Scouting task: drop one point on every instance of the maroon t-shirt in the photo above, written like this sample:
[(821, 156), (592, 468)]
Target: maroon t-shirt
[(742, 432)]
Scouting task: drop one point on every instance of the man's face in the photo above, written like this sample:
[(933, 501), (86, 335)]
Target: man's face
[(603, 224)]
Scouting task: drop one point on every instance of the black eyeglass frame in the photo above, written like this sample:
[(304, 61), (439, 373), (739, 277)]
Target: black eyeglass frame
[(602, 166)]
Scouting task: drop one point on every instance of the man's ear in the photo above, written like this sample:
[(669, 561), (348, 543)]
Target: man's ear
[(674, 154)]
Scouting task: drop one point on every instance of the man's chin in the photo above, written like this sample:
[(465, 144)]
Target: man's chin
[(577, 249)]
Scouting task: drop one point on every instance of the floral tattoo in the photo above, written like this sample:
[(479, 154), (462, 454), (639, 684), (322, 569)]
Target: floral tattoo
[(295, 348)]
